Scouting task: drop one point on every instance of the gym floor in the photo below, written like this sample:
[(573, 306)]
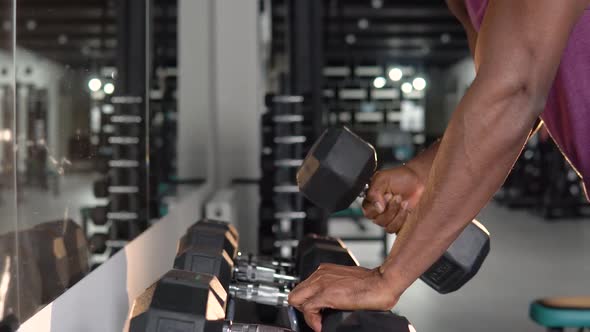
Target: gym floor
[(529, 258)]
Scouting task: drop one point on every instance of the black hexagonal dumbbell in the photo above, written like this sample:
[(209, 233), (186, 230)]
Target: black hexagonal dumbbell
[(314, 250), (186, 301), (62, 251), (336, 171), (204, 249)]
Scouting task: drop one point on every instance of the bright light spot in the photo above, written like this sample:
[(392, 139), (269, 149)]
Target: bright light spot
[(363, 24), (94, 84), (395, 74), (412, 329), (407, 87), (350, 39), (445, 38), (6, 135), (379, 82), (109, 88), (419, 83)]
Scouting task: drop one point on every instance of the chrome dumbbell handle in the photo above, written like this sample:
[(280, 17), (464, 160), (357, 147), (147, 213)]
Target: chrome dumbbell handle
[(262, 294), (244, 271)]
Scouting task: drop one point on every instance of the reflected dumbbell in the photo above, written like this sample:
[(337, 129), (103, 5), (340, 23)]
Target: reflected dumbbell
[(101, 214), (187, 301), (62, 251), (105, 187), (97, 243), (338, 169)]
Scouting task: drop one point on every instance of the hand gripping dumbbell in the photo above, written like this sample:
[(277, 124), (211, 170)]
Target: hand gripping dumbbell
[(314, 250), (186, 301), (339, 167)]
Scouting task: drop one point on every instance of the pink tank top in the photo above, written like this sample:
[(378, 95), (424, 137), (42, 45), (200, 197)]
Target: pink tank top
[(567, 112)]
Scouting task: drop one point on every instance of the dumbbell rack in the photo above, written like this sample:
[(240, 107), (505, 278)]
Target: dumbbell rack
[(123, 181), (285, 140), (243, 294)]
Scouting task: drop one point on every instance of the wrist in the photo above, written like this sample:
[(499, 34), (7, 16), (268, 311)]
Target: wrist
[(393, 279), (418, 167)]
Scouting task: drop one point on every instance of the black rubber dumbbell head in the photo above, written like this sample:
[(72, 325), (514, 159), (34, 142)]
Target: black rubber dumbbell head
[(62, 245), (203, 259), (336, 170), (98, 214), (211, 233), (180, 301), (461, 261), (314, 250), (101, 188)]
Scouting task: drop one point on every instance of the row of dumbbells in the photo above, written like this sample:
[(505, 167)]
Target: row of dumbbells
[(286, 133), (212, 287), (122, 183)]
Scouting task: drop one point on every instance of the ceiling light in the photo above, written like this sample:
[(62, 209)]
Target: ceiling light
[(407, 87), (379, 82), (419, 83), (395, 74), (94, 84)]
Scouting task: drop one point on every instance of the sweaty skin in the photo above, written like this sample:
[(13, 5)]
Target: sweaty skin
[(517, 53)]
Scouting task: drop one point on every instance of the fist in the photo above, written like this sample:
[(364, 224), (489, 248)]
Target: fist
[(392, 195)]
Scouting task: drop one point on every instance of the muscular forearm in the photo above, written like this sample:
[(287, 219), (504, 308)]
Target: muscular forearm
[(422, 163), (480, 145)]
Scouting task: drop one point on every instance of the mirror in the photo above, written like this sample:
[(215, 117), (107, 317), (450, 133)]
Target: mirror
[(83, 108)]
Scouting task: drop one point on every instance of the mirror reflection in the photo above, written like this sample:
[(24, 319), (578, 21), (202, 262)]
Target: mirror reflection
[(75, 124)]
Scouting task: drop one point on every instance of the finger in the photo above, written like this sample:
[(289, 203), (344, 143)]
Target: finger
[(313, 320), (370, 210), (396, 224), (390, 213), (377, 191), (302, 293), (312, 313)]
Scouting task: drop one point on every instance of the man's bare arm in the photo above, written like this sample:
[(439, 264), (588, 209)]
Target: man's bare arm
[(518, 51)]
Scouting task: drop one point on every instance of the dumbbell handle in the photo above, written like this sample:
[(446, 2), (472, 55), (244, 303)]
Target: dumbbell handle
[(262, 294), (241, 327), (264, 261), (251, 272)]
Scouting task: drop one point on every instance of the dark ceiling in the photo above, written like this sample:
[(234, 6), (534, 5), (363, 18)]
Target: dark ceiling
[(384, 31), (85, 31), (81, 32)]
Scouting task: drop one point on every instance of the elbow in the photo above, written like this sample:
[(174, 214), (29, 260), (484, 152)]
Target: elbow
[(530, 96), (519, 82)]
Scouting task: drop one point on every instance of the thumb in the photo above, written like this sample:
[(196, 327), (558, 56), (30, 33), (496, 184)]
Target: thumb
[(376, 195), (314, 320)]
